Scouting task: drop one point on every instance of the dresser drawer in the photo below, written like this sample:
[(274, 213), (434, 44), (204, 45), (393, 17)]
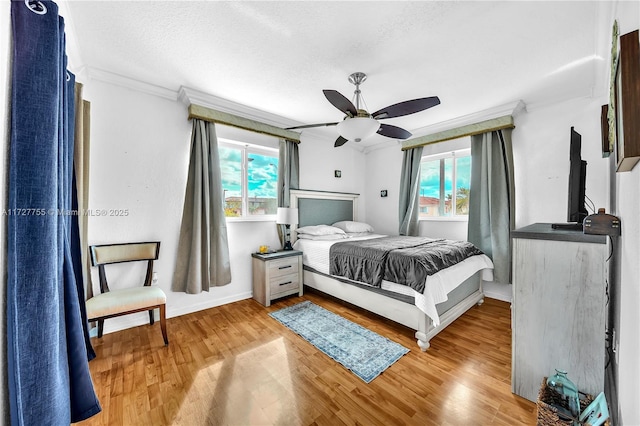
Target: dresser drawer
[(285, 283), (280, 267)]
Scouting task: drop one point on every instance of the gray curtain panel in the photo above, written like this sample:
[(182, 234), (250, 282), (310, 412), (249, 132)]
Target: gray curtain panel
[(410, 192), (203, 249), (81, 164), (492, 199), (288, 176)]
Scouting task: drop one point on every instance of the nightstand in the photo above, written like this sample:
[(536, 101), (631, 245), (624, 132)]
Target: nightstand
[(276, 275)]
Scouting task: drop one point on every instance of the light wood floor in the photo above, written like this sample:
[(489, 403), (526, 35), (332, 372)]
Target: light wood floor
[(235, 365)]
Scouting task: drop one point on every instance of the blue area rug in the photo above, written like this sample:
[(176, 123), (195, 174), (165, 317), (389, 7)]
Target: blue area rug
[(365, 353)]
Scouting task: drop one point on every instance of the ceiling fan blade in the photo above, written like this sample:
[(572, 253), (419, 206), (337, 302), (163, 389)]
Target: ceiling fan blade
[(393, 132), (340, 141), (406, 107), (339, 101), (307, 126)]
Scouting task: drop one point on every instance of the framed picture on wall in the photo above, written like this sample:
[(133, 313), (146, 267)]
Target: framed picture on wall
[(611, 109), (627, 103)]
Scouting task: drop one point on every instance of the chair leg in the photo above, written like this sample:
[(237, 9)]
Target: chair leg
[(151, 316), (163, 324), (100, 327)]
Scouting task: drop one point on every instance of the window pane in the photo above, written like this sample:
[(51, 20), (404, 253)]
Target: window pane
[(463, 184), (446, 209), (437, 196), (231, 171), (429, 188), (262, 178)]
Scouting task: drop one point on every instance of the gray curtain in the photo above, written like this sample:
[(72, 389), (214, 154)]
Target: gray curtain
[(410, 192), (288, 176), (492, 199), (203, 249), (81, 165)]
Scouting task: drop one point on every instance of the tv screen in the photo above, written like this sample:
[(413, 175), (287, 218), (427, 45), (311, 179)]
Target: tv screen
[(576, 210)]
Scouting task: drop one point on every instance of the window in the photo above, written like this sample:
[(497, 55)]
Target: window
[(249, 179), (444, 184)]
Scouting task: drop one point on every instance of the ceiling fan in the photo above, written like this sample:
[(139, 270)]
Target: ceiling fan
[(358, 124)]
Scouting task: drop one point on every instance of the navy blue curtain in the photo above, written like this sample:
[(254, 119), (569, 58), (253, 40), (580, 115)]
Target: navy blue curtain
[(47, 351)]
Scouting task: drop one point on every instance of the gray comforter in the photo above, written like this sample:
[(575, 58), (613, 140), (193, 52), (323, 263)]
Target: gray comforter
[(403, 260)]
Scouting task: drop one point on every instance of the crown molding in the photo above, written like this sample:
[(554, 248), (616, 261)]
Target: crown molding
[(512, 108), (131, 83), (190, 96)]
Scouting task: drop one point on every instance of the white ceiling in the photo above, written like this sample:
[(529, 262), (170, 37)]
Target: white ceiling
[(277, 56)]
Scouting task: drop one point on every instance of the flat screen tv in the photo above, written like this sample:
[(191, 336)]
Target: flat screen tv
[(576, 209)]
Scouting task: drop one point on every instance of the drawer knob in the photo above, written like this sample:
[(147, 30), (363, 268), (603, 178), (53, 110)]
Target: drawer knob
[(288, 282), (284, 267)]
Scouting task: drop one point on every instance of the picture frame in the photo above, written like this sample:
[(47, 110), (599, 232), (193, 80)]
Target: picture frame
[(611, 110), (604, 125), (619, 133), (627, 103)]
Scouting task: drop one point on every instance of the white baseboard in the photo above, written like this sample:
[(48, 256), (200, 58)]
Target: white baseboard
[(497, 291), (142, 318)]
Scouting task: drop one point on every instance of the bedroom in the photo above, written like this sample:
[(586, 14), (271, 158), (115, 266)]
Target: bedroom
[(152, 116)]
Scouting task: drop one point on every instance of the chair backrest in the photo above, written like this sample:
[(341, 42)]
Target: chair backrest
[(105, 254)]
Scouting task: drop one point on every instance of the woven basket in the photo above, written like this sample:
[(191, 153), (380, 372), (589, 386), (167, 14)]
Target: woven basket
[(548, 414)]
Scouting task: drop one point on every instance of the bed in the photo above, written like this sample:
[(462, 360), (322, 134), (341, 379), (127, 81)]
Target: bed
[(447, 294)]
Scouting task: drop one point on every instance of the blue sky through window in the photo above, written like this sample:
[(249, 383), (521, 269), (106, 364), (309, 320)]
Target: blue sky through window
[(430, 176), (262, 173)]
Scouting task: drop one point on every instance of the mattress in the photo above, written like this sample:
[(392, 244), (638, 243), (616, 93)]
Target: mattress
[(316, 256)]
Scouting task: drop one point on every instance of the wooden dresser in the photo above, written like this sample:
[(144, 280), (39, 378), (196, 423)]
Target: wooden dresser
[(558, 308)]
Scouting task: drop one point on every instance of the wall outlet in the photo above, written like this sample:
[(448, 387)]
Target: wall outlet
[(154, 279)]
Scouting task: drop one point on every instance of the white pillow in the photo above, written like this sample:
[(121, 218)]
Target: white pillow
[(319, 230), (358, 234), (331, 237), (349, 226)]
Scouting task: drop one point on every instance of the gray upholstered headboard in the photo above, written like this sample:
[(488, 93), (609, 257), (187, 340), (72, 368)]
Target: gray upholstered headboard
[(323, 208)]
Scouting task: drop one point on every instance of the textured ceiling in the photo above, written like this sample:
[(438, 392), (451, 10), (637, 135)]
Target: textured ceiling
[(277, 56)]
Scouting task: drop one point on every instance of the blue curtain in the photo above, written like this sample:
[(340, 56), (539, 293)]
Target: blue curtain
[(47, 351), (409, 209)]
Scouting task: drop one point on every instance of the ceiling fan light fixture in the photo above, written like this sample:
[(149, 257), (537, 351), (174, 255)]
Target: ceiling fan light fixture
[(357, 128)]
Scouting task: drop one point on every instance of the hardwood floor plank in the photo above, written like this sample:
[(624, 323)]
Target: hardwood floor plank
[(235, 365)]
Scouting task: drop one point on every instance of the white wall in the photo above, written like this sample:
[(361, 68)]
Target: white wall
[(139, 159), (318, 161), (541, 159), (626, 205)]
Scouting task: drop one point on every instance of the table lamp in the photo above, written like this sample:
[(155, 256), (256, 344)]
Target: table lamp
[(287, 216)]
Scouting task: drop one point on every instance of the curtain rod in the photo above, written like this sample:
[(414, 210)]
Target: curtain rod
[(504, 122), (214, 116)]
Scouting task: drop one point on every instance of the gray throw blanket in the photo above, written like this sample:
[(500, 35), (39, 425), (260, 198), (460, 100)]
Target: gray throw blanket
[(403, 260)]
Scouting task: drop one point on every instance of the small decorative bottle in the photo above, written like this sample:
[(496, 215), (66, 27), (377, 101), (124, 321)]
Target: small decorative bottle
[(567, 389)]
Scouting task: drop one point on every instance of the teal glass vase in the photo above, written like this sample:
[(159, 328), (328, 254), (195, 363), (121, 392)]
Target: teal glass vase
[(567, 389)]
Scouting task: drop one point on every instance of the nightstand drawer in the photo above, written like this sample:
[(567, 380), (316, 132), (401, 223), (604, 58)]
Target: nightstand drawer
[(285, 283), (280, 267)]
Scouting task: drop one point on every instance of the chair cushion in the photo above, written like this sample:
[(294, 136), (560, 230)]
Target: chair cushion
[(123, 300)]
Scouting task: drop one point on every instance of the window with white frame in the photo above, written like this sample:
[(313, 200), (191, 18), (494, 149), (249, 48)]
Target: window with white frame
[(444, 185), (249, 179)]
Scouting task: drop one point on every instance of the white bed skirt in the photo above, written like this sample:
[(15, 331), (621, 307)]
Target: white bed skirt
[(403, 313)]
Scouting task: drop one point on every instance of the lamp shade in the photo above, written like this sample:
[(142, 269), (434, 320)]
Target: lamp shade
[(357, 128), (287, 216)]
